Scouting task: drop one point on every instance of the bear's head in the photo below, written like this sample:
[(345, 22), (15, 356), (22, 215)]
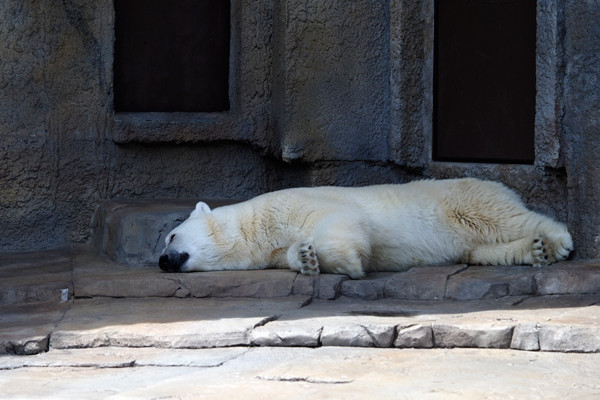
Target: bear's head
[(191, 245)]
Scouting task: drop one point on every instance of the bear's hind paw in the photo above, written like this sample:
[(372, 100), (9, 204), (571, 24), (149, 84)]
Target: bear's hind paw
[(539, 252)]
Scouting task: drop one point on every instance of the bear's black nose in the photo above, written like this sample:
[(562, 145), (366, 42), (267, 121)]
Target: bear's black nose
[(172, 262)]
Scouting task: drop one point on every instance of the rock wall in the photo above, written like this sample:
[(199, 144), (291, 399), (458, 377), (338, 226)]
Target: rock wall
[(321, 92), (581, 123)]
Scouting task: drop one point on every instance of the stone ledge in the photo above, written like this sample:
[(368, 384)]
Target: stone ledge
[(549, 323), (58, 275), (133, 231), (428, 307)]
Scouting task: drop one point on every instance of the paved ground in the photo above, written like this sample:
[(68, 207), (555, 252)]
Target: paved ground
[(300, 373), (75, 325)]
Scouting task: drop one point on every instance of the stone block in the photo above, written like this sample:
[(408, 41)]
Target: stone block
[(348, 335), (471, 335), (525, 337), (382, 334), (421, 283), (286, 334), (355, 335), (303, 285), (416, 336), (328, 286), (569, 338), (482, 282), (256, 283), (126, 285), (371, 288), (569, 278)]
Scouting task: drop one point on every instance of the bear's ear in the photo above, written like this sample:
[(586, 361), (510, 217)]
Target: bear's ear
[(201, 208)]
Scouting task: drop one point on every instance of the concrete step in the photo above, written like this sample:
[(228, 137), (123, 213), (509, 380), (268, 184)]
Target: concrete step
[(36, 277), (110, 304), (58, 275), (545, 323), (95, 276), (133, 231)]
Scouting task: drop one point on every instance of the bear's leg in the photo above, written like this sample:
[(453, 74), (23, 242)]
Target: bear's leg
[(302, 257), (517, 252), (537, 250), (328, 255), (339, 244)]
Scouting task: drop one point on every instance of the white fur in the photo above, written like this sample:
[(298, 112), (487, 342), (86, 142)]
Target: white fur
[(376, 228)]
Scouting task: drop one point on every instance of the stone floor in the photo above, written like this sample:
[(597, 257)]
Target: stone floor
[(76, 325)]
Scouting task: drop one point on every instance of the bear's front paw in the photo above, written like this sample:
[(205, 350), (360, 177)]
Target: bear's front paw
[(308, 258)]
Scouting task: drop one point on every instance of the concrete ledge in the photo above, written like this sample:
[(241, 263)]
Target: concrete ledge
[(111, 304)]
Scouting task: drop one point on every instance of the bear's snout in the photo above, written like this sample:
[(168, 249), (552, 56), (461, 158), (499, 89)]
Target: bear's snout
[(172, 262)]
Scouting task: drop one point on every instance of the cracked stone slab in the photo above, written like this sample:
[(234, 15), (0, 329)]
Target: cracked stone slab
[(106, 279), (491, 282), (166, 323), (286, 334), (326, 372), (26, 328), (123, 357), (358, 335)]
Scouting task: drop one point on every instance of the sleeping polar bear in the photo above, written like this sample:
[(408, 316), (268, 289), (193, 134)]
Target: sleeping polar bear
[(375, 228)]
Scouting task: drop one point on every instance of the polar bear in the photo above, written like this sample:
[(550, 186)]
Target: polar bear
[(374, 228)]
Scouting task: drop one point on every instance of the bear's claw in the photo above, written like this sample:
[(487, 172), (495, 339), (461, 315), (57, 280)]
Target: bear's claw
[(547, 250), (538, 249)]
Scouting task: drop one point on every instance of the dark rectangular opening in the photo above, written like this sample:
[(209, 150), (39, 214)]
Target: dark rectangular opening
[(484, 81), (171, 55)]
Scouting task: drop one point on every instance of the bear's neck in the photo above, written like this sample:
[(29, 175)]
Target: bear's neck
[(242, 235)]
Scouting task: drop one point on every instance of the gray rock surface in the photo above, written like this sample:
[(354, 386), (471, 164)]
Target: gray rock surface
[(345, 87), (166, 323), (427, 283), (116, 305), (491, 282), (414, 336), (572, 277), (300, 373)]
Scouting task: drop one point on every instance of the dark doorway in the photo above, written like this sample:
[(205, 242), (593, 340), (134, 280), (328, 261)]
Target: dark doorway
[(484, 101), (171, 55)]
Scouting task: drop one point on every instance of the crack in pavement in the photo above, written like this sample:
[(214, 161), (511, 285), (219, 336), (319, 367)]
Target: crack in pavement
[(307, 379)]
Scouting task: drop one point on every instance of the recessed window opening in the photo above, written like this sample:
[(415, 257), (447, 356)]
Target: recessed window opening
[(171, 55), (484, 81)]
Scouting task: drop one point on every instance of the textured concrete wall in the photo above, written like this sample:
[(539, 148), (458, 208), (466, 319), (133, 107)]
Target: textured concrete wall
[(322, 92), (52, 120), (581, 123), (331, 82), (57, 157)]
